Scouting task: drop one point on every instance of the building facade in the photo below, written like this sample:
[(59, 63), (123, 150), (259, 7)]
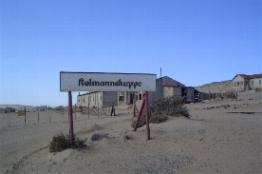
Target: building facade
[(104, 99), (165, 87), (97, 99), (168, 87), (243, 82)]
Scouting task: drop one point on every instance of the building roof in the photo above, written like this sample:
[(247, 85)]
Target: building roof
[(87, 93), (245, 76), (167, 81)]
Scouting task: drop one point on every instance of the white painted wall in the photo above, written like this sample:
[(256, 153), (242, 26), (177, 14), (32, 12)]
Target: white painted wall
[(94, 99), (256, 83), (238, 83)]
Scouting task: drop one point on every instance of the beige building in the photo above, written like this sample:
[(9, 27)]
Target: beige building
[(104, 99), (168, 87), (243, 82)]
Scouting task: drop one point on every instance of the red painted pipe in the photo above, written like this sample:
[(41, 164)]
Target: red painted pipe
[(147, 116), (140, 114), (70, 118)]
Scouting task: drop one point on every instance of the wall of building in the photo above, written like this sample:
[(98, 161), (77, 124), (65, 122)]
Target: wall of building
[(177, 91), (159, 93), (94, 99), (256, 83), (109, 98), (166, 87), (238, 83), (168, 91)]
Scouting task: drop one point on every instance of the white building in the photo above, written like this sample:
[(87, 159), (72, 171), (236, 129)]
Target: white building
[(243, 82), (104, 99)]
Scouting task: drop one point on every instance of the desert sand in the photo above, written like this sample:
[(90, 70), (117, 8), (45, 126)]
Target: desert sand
[(222, 136)]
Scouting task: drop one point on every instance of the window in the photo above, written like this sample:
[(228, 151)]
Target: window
[(140, 96), (121, 98), (259, 82)]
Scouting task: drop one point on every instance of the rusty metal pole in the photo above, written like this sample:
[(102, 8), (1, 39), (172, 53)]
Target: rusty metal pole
[(70, 118), (134, 104), (139, 115), (25, 115), (147, 116), (75, 111)]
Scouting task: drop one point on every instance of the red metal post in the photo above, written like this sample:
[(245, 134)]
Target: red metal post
[(140, 114), (147, 116), (70, 118)]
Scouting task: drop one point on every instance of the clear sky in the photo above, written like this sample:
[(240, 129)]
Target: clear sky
[(195, 42)]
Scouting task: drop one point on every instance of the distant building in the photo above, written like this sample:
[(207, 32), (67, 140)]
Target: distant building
[(243, 82), (168, 87), (7, 110), (165, 87), (102, 99), (192, 95)]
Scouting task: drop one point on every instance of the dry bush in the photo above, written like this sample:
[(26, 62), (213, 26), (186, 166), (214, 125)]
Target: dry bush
[(230, 95), (172, 106), (61, 142)]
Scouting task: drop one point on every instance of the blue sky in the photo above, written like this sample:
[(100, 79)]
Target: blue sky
[(195, 42)]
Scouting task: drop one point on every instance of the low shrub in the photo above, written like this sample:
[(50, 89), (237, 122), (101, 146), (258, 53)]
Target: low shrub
[(181, 110), (79, 144), (230, 95), (169, 106), (61, 142)]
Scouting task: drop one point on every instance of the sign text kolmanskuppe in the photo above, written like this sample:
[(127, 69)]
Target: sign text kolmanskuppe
[(98, 81)]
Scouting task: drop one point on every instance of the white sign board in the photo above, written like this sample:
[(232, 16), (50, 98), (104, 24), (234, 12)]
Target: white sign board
[(97, 81)]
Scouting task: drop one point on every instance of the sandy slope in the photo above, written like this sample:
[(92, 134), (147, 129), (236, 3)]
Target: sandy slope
[(218, 139), (216, 87)]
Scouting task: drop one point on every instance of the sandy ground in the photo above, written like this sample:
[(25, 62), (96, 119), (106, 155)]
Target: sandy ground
[(222, 137)]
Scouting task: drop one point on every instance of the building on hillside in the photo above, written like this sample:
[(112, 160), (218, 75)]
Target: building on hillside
[(243, 82), (102, 99), (168, 87)]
